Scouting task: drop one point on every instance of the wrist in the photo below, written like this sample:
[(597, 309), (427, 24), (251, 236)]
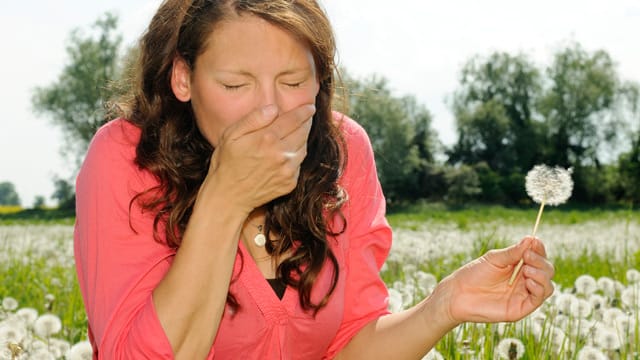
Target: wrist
[(436, 309)]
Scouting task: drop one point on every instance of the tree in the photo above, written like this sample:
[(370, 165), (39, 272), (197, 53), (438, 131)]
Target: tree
[(494, 111), (63, 194), (629, 162), (39, 202), (8, 194), (577, 106), (400, 133), (76, 101)]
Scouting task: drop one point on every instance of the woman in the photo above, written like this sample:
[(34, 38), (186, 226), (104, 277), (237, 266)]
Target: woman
[(234, 215)]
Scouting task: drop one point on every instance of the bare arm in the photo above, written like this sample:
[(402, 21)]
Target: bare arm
[(477, 292)]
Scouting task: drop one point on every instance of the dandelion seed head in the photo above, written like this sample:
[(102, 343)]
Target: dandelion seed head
[(607, 286), (633, 276), (553, 186), (28, 315), (591, 353), (607, 339), (597, 301), (610, 315), (565, 301), (47, 325), (41, 354), (586, 285), (510, 349), (581, 309), (9, 303), (630, 297), (395, 301), (12, 332), (426, 281), (83, 351)]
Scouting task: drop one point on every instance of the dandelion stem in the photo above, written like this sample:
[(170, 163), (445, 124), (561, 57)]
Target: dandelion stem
[(533, 234), (535, 227)]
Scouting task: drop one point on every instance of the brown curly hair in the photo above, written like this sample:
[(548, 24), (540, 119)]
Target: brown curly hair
[(173, 149)]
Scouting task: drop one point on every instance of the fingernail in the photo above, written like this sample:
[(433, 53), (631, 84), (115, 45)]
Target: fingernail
[(269, 111)]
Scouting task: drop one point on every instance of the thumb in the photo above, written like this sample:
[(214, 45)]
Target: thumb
[(256, 120), (510, 255)]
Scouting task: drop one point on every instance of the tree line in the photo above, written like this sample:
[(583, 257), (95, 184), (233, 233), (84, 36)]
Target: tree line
[(510, 114)]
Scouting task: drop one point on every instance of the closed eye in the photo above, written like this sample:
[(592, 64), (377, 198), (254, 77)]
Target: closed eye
[(232, 87), (294, 85)]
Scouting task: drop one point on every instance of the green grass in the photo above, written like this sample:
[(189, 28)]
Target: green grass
[(477, 213), (30, 279)]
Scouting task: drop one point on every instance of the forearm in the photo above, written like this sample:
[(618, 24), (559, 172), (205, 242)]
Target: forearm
[(190, 300), (409, 334)]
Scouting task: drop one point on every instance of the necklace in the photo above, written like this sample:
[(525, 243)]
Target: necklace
[(260, 239)]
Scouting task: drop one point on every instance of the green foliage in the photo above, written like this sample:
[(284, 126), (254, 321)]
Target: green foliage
[(64, 194), (8, 194), (463, 184), (38, 202), (575, 108), (76, 101), (494, 110), (400, 131)]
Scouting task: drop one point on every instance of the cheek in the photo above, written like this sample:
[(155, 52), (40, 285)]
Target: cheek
[(292, 99), (216, 113)]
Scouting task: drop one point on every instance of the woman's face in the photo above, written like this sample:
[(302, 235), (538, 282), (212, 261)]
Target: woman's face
[(248, 63)]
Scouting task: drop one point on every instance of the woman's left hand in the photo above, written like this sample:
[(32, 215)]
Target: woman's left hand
[(480, 290)]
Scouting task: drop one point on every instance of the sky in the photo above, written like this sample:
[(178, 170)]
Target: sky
[(418, 45)]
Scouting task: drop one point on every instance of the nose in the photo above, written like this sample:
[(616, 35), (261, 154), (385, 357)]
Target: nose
[(268, 95)]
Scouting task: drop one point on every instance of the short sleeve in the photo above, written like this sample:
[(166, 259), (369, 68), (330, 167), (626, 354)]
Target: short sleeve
[(369, 239), (118, 262)]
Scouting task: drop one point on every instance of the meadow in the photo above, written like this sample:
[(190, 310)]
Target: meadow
[(593, 314)]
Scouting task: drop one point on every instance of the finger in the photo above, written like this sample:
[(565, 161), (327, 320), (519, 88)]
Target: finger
[(537, 261), (291, 121), (508, 256), (297, 140), (537, 246), (541, 276), (256, 120), (536, 290)]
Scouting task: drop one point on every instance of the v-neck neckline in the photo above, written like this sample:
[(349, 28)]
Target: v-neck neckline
[(259, 288)]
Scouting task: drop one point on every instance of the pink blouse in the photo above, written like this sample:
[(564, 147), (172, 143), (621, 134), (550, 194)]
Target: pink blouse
[(119, 267)]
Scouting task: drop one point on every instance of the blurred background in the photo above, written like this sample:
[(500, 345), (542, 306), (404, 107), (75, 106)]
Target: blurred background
[(461, 97)]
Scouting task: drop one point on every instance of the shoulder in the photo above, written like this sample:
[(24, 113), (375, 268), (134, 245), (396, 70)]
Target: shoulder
[(118, 136), (351, 130), (111, 154)]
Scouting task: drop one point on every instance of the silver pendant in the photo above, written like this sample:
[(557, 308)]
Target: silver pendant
[(260, 239)]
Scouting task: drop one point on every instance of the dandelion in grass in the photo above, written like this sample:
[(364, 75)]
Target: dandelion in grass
[(80, 351), (585, 285), (607, 286), (510, 349), (581, 309), (47, 325), (41, 354), (58, 347), (633, 276), (630, 297), (27, 315), (591, 353), (9, 303), (546, 186), (610, 315), (607, 339), (12, 332)]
